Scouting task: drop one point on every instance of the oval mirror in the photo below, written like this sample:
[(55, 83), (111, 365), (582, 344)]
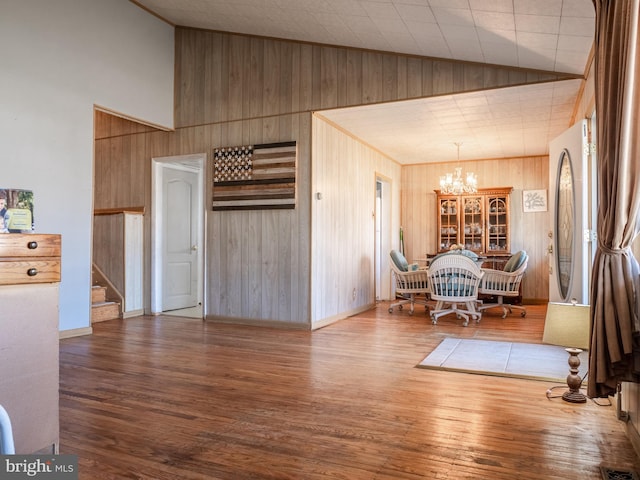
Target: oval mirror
[(565, 218)]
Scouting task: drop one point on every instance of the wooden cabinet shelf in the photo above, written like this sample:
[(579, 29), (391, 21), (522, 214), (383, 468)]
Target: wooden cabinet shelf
[(29, 258), (479, 221)]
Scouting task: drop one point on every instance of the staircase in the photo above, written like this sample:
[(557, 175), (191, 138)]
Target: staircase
[(101, 309)]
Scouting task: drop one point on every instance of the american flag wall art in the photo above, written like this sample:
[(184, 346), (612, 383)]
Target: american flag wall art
[(255, 177)]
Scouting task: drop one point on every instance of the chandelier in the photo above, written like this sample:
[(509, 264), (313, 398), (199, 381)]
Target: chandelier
[(455, 184)]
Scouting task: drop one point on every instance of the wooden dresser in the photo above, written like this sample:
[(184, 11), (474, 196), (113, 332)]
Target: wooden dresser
[(29, 360)]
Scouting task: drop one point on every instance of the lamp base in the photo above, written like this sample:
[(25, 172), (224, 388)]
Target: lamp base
[(574, 397)]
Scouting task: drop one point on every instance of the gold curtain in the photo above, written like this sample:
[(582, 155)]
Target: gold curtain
[(614, 313)]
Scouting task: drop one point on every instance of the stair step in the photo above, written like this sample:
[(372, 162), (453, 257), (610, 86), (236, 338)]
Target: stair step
[(98, 294), (102, 311)]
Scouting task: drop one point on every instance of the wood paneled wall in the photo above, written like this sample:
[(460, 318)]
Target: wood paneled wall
[(529, 230), (108, 248), (237, 90), (257, 265), (343, 244), (222, 77)]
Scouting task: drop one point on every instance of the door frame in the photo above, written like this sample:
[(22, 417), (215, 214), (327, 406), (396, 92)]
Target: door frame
[(194, 163), (382, 232)]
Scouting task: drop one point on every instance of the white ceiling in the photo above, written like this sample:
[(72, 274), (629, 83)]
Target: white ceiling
[(550, 35), (500, 123)]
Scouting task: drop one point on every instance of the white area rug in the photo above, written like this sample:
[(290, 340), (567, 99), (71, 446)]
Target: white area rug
[(504, 359)]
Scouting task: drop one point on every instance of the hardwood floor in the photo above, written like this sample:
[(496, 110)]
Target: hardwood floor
[(177, 398)]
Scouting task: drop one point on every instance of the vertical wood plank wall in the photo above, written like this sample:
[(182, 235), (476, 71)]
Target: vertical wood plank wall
[(529, 230), (343, 243), (109, 247), (236, 90)]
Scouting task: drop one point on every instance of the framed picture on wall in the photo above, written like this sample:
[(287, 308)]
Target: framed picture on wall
[(16, 211), (534, 200)]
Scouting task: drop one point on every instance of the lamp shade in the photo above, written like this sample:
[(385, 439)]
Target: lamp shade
[(567, 325)]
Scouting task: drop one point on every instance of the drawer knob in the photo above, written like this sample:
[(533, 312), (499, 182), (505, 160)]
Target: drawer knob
[(32, 272), (32, 245)]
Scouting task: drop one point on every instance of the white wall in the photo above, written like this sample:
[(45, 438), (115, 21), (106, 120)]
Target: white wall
[(59, 59)]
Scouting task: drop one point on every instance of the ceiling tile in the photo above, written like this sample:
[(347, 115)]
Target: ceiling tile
[(578, 8), (465, 33), (581, 26), (573, 43), (341, 7), (504, 6), (462, 4), (389, 24), (508, 114), (537, 41), (380, 10), (362, 25), (538, 7), (494, 20), (567, 61), (416, 13), (408, 2), (553, 35), (453, 16), (537, 24), (505, 38), (499, 54)]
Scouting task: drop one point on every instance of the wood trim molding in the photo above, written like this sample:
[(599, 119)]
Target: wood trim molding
[(115, 211), (115, 113), (255, 323), (484, 191), (75, 332), (335, 318)]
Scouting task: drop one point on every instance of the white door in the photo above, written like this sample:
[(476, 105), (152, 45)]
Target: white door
[(569, 209), (180, 234)]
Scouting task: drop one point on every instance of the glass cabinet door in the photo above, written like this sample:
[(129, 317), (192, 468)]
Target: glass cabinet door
[(477, 221), (498, 224), (449, 221), (472, 223)]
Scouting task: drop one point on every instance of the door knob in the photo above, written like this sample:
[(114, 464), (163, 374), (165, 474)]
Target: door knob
[(194, 247)]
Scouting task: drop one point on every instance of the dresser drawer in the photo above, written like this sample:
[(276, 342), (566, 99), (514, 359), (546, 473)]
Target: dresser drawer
[(29, 245), (29, 271)]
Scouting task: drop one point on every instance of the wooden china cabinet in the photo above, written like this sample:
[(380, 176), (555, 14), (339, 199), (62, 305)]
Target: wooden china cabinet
[(479, 221)]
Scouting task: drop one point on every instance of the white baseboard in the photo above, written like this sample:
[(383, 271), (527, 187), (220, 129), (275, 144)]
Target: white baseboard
[(132, 313), (75, 332)]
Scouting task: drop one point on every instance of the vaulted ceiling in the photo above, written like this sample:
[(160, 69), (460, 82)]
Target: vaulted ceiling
[(547, 35)]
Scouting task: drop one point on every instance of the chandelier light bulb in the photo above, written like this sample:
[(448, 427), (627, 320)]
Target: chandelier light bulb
[(455, 183)]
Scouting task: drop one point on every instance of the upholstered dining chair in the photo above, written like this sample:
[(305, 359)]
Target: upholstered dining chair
[(453, 284), (6, 434), (505, 283), (411, 283)]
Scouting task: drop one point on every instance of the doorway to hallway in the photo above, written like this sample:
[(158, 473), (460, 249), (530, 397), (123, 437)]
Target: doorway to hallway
[(177, 260), (382, 238)]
